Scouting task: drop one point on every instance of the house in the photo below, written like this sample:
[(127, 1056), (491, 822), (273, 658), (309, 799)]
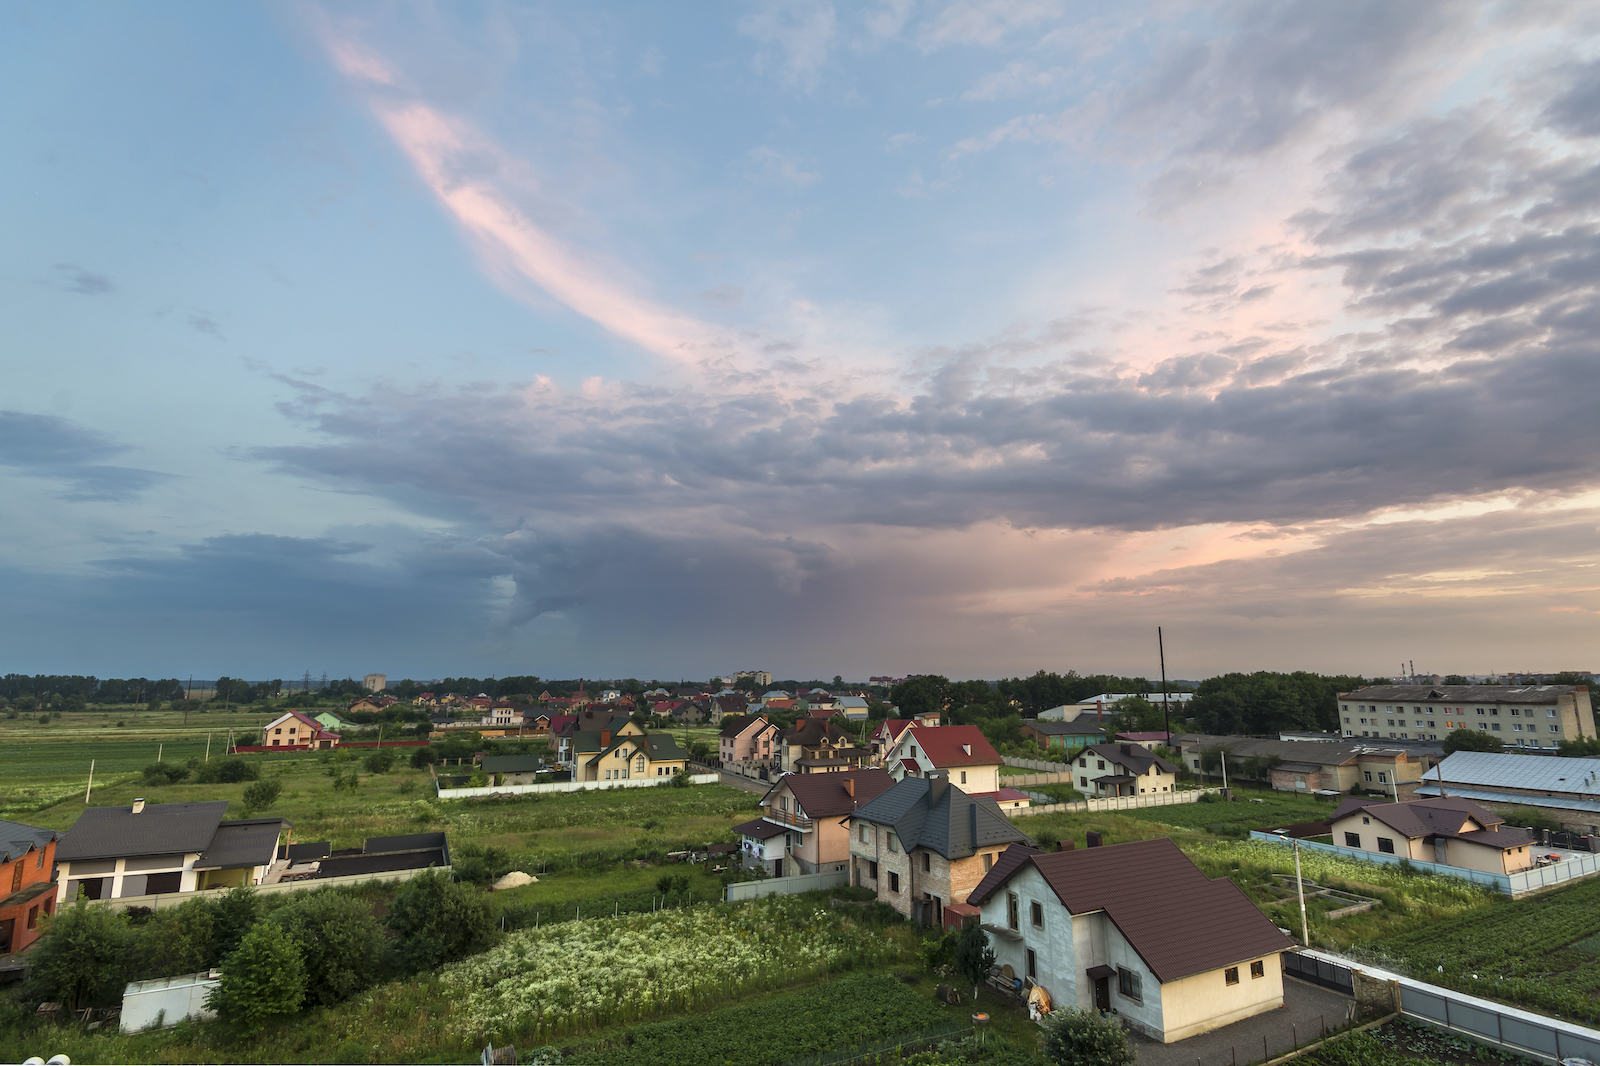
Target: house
[(511, 769), (1066, 737), (886, 736), (1449, 830), (927, 719), (853, 708), (809, 808), (925, 844), (818, 746), (502, 714), (749, 738), (764, 844), (1147, 737), (724, 704), (1123, 770), (585, 728), (1136, 928), (1566, 789), (536, 721), (1527, 716), (629, 756), (27, 882), (1300, 766), (159, 848), (960, 750), (296, 730), (368, 704), (331, 723)]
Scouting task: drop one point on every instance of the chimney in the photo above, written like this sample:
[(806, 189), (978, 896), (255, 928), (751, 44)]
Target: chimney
[(605, 738), (850, 787), (1094, 839), (1067, 845), (938, 785), (138, 805)]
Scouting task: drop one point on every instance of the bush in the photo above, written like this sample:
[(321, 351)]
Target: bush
[(229, 770), (173, 941), (84, 956), (974, 958), (340, 943), (260, 795), (1078, 1037), (480, 864), (263, 977), (437, 921), (380, 760), (163, 773), (423, 757), (232, 915)]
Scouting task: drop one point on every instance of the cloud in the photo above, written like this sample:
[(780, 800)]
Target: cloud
[(78, 280), (47, 446), (782, 168), (725, 295), (796, 36)]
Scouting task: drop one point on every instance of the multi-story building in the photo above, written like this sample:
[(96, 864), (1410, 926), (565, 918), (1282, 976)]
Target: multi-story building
[(809, 809), (27, 882), (749, 738), (1525, 716), (375, 682), (925, 844)]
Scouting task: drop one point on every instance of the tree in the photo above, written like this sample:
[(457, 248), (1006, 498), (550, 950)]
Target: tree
[(175, 940), (339, 941), (974, 956), (260, 795), (84, 956), (1455, 679), (264, 977), (1079, 1037), (232, 915), (1580, 747), (380, 760), (921, 695), (1472, 740), (437, 920)]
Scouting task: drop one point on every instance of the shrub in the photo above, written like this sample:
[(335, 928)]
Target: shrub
[(260, 795), (162, 773), (175, 940), (480, 864), (380, 760), (232, 915), (340, 943), (263, 977), (1078, 1037), (437, 920), (974, 958), (227, 771), (84, 957), (423, 757)]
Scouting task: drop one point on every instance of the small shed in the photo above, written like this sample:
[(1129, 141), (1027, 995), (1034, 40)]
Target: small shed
[(166, 1001)]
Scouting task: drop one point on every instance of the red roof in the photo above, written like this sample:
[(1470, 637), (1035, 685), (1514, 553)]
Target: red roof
[(955, 745)]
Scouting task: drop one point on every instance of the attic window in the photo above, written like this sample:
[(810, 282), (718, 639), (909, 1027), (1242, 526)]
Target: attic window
[(966, 749)]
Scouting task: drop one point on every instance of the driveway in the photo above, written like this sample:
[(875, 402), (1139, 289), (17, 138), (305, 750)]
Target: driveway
[(1305, 1007)]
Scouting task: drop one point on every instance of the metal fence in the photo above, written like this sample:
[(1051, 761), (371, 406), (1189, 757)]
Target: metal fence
[(1576, 868), (785, 886)]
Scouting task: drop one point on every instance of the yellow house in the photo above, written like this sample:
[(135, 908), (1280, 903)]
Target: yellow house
[(1447, 830), (1137, 928), (630, 756)]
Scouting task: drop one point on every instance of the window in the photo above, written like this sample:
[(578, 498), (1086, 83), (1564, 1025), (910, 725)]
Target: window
[(861, 834), (1515, 713), (963, 777), (1230, 976), (1480, 710), (1551, 713), (1083, 762), (1366, 774), (1347, 721), (1099, 764), (913, 751), (1084, 781), (38, 863), (1553, 728), (1383, 777), (1033, 970), (1258, 968), (872, 870), (16, 877), (33, 917), (1516, 727), (1011, 909), (1386, 845), (1494, 712), (1352, 840), (1130, 985), (894, 881), (893, 844), (988, 862), (1430, 723), (927, 862), (1495, 726), (1036, 912)]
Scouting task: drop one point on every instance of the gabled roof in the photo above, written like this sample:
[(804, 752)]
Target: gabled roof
[(1142, 886), (808, 732), (826, 796), (1445, 816), (246, 842), (760, 829), (17, 839), (954, 745), (742, 723), (934, 814), (657, 746), (159, 829), (1135, 757)]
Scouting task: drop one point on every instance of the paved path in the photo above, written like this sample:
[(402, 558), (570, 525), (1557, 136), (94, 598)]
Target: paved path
[(1305, 1007)]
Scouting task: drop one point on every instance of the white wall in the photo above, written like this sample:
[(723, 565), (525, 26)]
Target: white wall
[(169, 999)]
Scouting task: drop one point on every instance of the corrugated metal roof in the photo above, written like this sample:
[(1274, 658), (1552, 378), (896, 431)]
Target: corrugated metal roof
[(1489, 795), (1538, 773)]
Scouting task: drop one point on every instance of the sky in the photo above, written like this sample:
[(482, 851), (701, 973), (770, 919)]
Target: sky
[(971, 337)]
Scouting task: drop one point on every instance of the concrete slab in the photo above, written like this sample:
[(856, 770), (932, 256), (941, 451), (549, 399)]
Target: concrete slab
[(1299, 1021)]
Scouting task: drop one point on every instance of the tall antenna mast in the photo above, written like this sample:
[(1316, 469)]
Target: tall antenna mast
[(1166, 715)]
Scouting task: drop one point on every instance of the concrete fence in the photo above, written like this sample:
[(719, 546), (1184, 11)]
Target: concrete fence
[(571, 786), (173, 899), (1574, 868), (785, 886), (1118, 803), (1519, 1031), (1037, 764), (1024, 780)]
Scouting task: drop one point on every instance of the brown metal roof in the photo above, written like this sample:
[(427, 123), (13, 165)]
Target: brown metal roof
[(1178, 920)]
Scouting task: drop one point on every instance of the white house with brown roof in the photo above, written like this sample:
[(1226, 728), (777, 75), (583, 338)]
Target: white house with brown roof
[(961, 751), (1133, 927), (1447, 829), (1123, 770)]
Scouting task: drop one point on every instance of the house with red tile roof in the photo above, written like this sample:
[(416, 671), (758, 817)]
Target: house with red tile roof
[(295, 730), (960, 750), (1137, 928)]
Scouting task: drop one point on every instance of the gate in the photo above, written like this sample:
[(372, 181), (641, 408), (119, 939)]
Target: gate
[(1319, 972)]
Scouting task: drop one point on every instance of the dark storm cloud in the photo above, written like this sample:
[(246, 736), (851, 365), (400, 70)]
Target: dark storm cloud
[(61, 450), (1577, 110)]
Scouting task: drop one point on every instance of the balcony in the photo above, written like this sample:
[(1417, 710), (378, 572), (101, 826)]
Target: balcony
[(789, 820)]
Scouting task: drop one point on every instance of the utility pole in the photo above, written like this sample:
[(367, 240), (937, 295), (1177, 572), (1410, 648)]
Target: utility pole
[(1166, 714), (90, 786), (1300, 886)]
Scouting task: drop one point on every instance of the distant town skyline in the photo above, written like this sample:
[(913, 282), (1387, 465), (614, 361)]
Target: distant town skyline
[(960, 336)]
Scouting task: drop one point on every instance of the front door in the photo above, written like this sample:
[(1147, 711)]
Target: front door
[(1102, 993), (7, 928), (777, 867)]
